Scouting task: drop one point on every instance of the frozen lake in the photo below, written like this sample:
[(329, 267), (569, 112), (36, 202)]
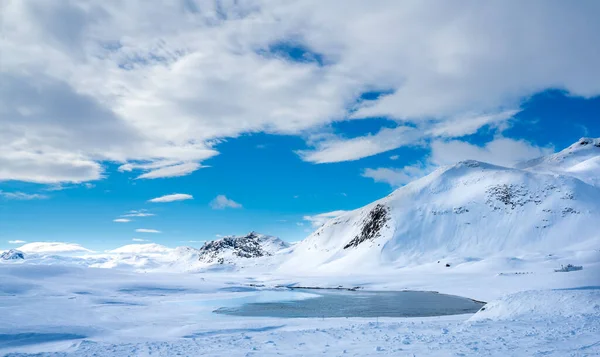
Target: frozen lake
[(343, 303)]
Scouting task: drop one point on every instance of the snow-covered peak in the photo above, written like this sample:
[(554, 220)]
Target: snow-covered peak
[(580, 160), (580, 151), (12, 254), (231, 248), (587, 142)]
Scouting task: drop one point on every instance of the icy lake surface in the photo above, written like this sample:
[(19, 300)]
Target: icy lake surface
[(343, 303)]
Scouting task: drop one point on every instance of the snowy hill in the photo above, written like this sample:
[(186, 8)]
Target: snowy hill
[(233, 250), (466, 212)]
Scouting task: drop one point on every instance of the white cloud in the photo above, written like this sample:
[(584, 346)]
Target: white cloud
[(394, 157), (144, 230), (21, 196), (469, 124), (396, 177), (182, 169), (99, 82), (52, 248), (339, 149), (138, 213), (500, 151), (139, 240), (172, 198), (16, 241), (222, 202), (320, 219), (121, 220)]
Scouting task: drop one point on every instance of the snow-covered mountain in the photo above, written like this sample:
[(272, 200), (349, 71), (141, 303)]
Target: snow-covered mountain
[(230, 249), (12, 254), (465, 212)]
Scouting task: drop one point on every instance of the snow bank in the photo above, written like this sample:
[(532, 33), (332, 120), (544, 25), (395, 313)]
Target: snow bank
[(538, 304)]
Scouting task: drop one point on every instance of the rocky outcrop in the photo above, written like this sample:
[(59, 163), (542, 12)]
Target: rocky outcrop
[(372, 226), (230, 249)]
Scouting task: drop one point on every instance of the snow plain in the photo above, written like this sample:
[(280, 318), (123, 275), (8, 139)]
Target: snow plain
[(70, 310)]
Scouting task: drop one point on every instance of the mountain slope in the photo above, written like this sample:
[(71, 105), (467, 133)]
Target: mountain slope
[(467, 211)]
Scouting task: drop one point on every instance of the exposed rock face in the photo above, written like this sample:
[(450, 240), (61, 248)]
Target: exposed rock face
[(372, 226), (230, 249), (12, 254)]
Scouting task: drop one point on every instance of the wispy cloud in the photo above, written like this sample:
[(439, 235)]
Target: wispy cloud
[(145, 230), (172, 198), (121, 220), (320, 219), (138, 213), (139, 240), (222, 202), (338, 149), (172, 171), (397, 177), (22, 196), (16, 241)]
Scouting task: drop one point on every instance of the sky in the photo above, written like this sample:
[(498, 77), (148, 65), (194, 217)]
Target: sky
[(178, 122)]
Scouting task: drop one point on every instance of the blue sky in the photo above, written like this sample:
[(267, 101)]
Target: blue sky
[(282, 111)]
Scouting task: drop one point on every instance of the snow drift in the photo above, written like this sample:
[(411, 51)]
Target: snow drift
[(543, 303)]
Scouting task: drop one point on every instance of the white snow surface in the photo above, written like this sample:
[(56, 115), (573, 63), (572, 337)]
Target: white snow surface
[(501, 231)]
